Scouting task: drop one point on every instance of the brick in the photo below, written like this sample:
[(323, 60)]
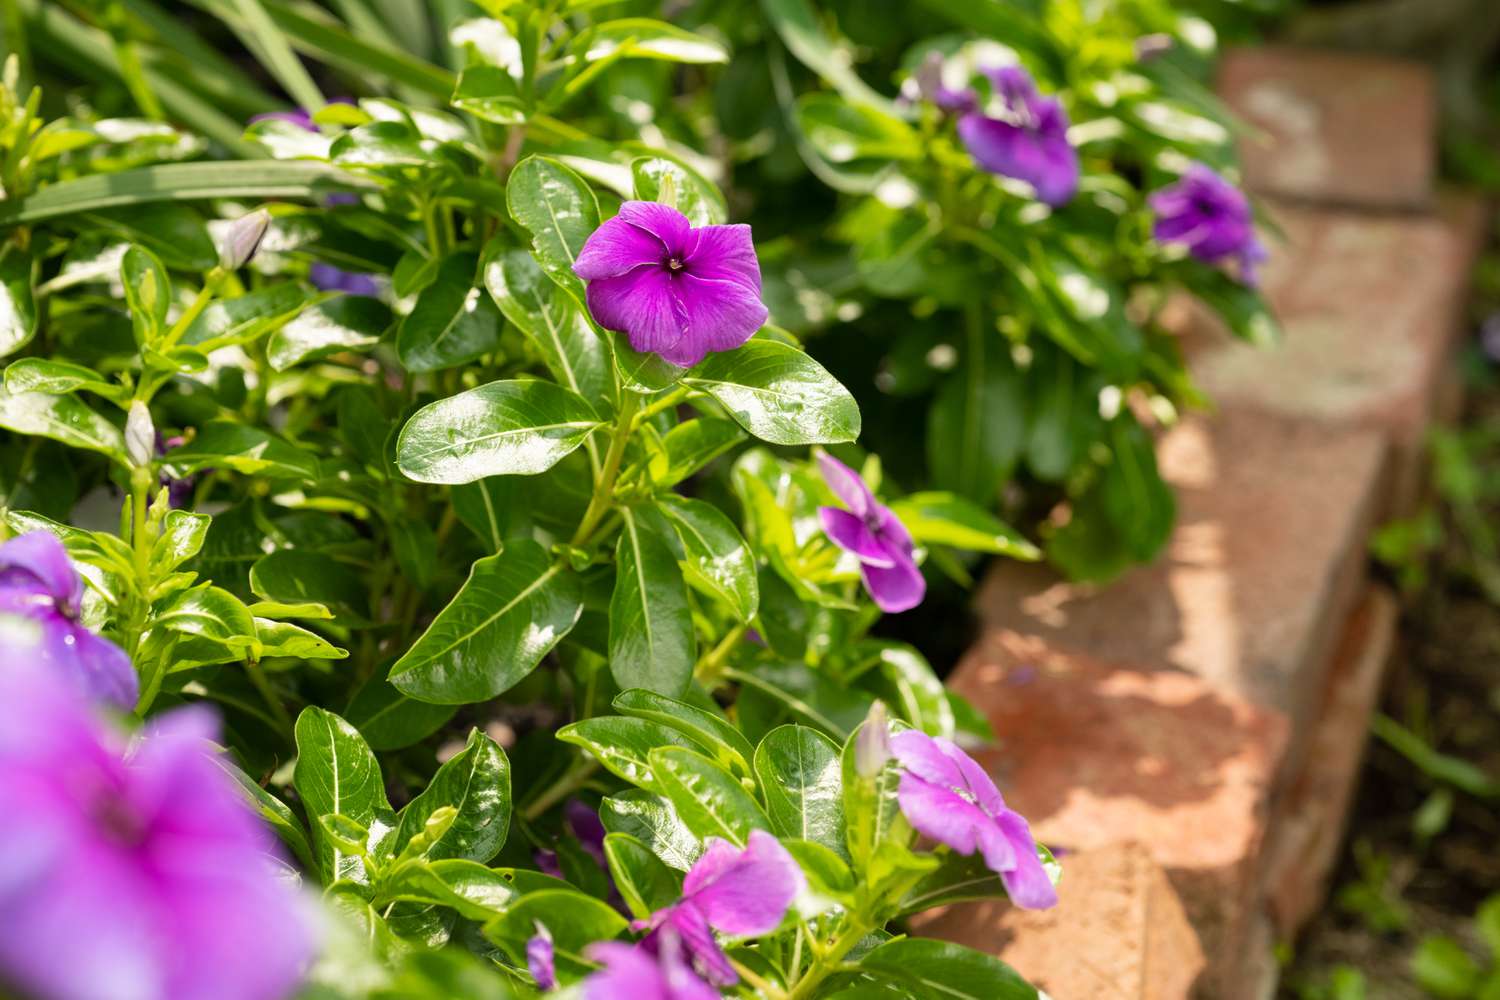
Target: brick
[(1334, 127), (1097, 753), (1309, 822), (1119, 931), (1258, 576), (1371, 306)]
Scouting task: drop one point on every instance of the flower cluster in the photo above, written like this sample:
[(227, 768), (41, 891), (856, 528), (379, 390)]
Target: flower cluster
[(1211, 218), (874, 535)]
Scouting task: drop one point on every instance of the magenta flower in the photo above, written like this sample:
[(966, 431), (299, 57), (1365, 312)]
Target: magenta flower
[(673, 290), (875, 535), (1029, 139), (634, 973), (1211, 217), (38, 583), (133, 873), (739, 893), (945, 795), (541, 960)]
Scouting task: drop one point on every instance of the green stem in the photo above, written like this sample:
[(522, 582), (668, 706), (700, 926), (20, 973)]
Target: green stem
[(129, 59), (211, 283), (709, 669), (828, 962), (766, 988), (257, 675), (570, 783), (604, 485), (670, 399)]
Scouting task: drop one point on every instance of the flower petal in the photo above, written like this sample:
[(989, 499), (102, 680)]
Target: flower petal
[(1027, 882), (895, 589), (846, 484), (689, 925), (617, 247), (99, 665), (853, 535), (725, 253), (540, 960), (744, 893), (925, 757), (669, 227), (722, 314), (1046, 161), (641, 305), (628, 974), (38, 558), (936, 811)]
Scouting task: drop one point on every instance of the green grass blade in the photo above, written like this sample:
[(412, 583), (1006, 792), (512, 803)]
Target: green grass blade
[(277, 56)]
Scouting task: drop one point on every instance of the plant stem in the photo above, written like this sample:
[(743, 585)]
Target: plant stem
[(670, 399), (567, 785), (766, 988), (262, 684), (828, 962), (211, 282), (708, 669), (604, 486)]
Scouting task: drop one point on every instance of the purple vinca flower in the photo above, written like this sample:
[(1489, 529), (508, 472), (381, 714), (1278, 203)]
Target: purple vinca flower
[(673, 290), (333, 279), (133, 872), (1211, 217), (875, 535), (634, 973), (39, 583), (947, 796), (739, 893), (540, 959), (1028, 140)]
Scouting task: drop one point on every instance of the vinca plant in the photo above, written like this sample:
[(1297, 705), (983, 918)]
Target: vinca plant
[(428, 568)]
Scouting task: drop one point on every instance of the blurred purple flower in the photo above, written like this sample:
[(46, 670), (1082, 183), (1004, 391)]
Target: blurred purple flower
[(540, 959), (1211, 217), (634, 973), (875, 535), (135, 873), (1029, 141), (673, 290), (945, 795), (583, 824), (931, 88), (1489, 337), (739, 893), (333, 279), (39, 583)]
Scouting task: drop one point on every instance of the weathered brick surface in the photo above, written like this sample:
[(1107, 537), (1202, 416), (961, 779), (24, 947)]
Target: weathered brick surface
[(1308, 826), (1095, 753), (1337, 128), (1140, 945), (1260, 573)]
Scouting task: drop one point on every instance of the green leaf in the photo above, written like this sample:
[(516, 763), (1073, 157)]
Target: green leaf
[(225, 444), (1140, 505), (799, 773), (389, 720), (622, 744), (148, 294), (342, 323), (259, 179), (274, 638), (718, 561), (559, 210), (574, 920), (978, 425), (941, 968), (715, 734), (491, 94), (18, 313), (1442, 968), (336, 774), (940, 518), (642, 37), (691, 445), (651, 819), (383, 145), (452, 323), (181, 538), (62, 418), (843, 132), (873, 821), (297, 576), (511, 611), (645, 882), (210, 613), (696, 197), (507, 428), (779, 394), (58, 378), (710, 800), (276, 814), (651, 640), (476, 782), (476, 892), (827, 871), (246, 318), (554, 323), (917, 692), (493, 508), (797, 24)]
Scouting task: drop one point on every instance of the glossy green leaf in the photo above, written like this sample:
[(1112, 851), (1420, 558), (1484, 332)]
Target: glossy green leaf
[(247, 317), (695, 196), (453, 321), (710, 800), (18, 313), (209, 613), (799, 773), (342, 323), (59, 378), (797, 24), (559, 210), (508, 428), (642, 37), (336, 774), (241, 448), (689, 446), (181, 538), (66, 419), (644, 881), (718, 561), (651, 819), (275, 638), (843, 133), (570, 348), (494, 509), (940, 518), (276, 814), (574, 920), (475, 782), (940, 968), (295, 576), (714, 734), (511, 611), (148, 294), (622, 744), (490, 93), (389, 720), (476, 892), (651, 639), (779, 394)]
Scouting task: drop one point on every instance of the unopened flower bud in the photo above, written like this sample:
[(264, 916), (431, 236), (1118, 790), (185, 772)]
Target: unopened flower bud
[(1148, 47), (242, 239), (140, 436), (872, 747)]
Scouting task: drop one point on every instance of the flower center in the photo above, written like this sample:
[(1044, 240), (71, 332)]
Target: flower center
[(118, 821), (675, 264)]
